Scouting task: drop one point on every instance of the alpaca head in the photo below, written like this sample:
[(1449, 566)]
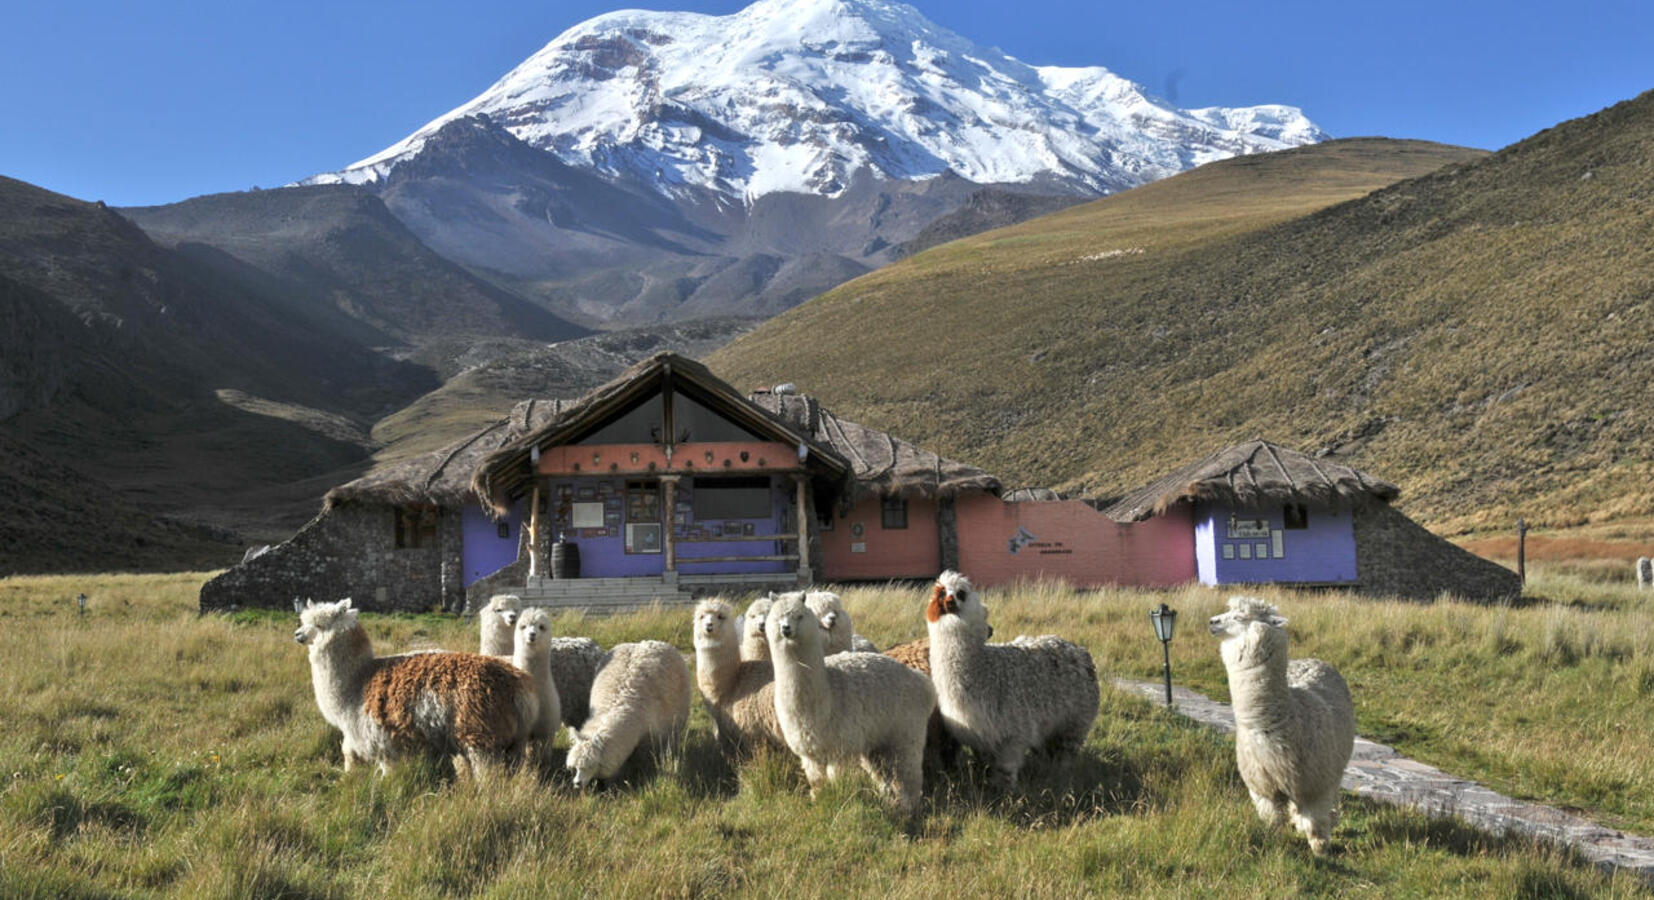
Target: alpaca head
[(714, 623), (792, 626), (829, 611), (752, 634), (585, 759), (1249, 625), (506, 607), (954, 601), (320, 621), (533, 631)]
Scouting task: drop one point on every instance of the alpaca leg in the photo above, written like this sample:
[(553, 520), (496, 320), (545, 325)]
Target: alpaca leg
[(1314, 820), (908, 779), (814, 772), (1268, 810)]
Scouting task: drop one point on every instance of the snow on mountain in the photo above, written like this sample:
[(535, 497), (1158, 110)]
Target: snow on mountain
[(801, 95)]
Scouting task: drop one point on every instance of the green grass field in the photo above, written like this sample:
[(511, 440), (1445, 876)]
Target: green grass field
[(151, 751)]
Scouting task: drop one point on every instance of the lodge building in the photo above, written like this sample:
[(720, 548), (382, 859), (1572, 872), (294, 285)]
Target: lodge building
[(667, 484)]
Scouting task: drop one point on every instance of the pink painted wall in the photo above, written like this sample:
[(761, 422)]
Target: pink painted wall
[(1070, 540), (911, 552)]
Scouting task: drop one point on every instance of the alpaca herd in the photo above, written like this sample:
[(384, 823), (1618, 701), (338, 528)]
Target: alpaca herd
[(791, 675)]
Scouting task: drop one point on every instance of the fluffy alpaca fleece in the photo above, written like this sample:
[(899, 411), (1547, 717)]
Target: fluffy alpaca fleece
[(456, 704), (532, 654), (740, 694), (497, 621), (1294, 721), (754, 646), (1003, 700), (847, 709), (941, 750), (640, 697), (835, 619), (574, 664)]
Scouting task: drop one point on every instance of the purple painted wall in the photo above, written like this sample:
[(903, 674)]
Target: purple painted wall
[(1321, 553), (777, 523), (485, 551), (603, 551)]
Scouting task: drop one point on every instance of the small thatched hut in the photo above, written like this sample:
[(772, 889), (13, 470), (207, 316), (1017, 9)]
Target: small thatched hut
[(1267, 513)]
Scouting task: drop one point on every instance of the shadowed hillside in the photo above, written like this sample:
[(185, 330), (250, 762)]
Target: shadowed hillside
[(1477, 335)]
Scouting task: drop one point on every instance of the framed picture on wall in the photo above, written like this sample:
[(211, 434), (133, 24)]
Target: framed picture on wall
[(748, 529), (643, 537), (588, 515)]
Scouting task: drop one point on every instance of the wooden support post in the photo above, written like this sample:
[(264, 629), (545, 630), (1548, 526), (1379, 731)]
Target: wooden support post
[(534, 529), (803, 515), (1522, 551), (669, 545)]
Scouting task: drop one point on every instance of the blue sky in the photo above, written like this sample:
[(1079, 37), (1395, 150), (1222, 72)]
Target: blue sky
[(151, 103)]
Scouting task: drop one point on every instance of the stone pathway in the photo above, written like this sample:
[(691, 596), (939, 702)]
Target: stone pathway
[(1380, 773)]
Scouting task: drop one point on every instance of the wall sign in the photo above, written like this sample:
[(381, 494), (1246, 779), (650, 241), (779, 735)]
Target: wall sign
[(1248, 528)]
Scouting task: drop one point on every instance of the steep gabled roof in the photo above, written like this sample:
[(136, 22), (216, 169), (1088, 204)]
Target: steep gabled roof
[(1254, 474), (444, 476), (505, 472), (880, 464)]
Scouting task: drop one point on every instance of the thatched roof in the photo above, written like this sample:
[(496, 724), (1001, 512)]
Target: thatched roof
[(444, 476), (1251, 475), (505, 472), (880, 464)]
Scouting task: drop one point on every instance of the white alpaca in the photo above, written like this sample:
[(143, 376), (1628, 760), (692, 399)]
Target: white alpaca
[(852, 708), (740, 694), (1003, 700), (574, 660), (532, 654), (754, 646), (496, 620), (841, 636), (640, 698), (455, 704), (1294, 722)]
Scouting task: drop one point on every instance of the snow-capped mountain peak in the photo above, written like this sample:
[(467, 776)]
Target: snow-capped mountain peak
[(806, 95)]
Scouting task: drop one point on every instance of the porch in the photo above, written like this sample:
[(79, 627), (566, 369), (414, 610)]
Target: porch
[(603, 596)]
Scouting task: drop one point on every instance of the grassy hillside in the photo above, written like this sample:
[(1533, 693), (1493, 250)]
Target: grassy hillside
[(155, 752), (1477, 335)]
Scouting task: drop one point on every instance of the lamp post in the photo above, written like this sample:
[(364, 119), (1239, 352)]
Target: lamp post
[(1164, 620)]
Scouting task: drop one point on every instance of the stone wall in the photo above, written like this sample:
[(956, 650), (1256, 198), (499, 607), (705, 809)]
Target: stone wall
[(349, 551), (1396, 556)]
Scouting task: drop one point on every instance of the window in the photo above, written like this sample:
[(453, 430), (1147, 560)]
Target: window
[(732, 498), (694, 422), (638, 425), (894, 513), (416, 526), (1294, 516)]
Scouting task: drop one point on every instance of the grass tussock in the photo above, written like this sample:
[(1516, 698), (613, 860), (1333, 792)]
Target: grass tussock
[(151, 751)]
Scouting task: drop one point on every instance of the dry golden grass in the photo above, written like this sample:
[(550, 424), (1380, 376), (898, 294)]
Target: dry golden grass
[(150, 751)]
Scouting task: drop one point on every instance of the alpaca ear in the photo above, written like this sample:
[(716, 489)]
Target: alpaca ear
[(345, 603), (1277, 620)]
